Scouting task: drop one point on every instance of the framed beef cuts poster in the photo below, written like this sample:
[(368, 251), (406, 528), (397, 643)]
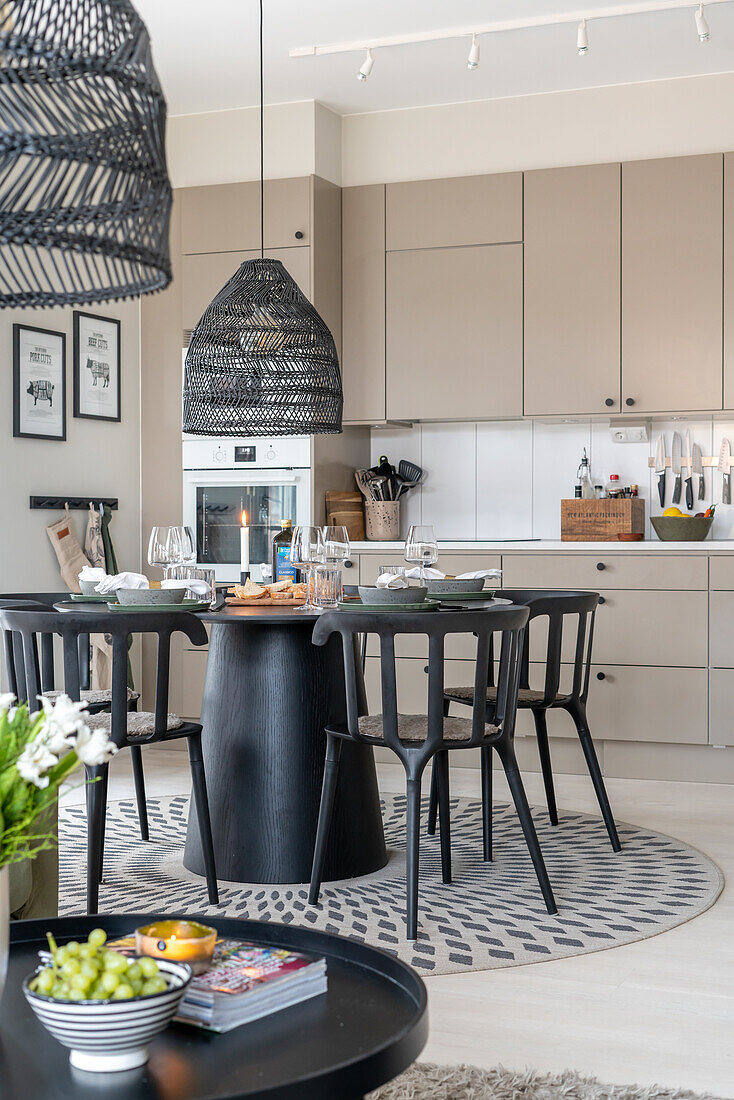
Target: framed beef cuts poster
[(96, 367), (39, 383)]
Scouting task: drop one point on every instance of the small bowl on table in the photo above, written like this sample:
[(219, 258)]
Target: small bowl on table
[(109, 1036), (453, 584), (392, 596), (149, 597), (89, 588)]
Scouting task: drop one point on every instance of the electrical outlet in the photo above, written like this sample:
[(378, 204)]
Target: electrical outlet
[(629, 433)]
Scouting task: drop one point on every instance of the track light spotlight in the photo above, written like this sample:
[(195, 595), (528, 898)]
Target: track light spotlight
[(366, 67), (582, 39), (701, 25), (472, 62)]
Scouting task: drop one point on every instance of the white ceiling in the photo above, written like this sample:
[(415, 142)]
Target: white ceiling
[(206, 53)]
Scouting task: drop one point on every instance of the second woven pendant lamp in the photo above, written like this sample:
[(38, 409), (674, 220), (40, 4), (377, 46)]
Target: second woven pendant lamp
[(261, 361)]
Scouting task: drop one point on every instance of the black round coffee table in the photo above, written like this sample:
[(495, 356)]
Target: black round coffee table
[(367, 1028)]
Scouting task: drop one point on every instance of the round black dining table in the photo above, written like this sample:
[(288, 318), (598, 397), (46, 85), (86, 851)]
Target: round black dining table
[(268, 695)]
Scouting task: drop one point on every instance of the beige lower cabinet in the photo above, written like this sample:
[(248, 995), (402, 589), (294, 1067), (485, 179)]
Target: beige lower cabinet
[(721, 717), (721, 629), (605, 569), (636, 703), (412, 682), (191, 690)]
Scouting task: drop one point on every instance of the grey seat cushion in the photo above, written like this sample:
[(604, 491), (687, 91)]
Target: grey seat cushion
[(102, 696), (139, 723), (414, 727), (525, 696)]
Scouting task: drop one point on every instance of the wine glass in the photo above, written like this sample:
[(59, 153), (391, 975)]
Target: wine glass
[(421, 547), (307, 552), (188, 544), (164, 548), (336, 545)]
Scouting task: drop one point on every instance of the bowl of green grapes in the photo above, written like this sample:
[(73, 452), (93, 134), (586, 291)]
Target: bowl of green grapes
[(103, 1005)]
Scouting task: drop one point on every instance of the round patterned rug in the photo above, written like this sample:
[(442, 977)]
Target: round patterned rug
[(492, 915)]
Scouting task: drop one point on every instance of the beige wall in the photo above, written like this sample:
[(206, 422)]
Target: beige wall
[(626, 122), (98, 457)]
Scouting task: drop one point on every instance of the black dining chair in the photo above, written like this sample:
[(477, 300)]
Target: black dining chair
[(418, 738), (98, 699), (556, 611), (127, 729)]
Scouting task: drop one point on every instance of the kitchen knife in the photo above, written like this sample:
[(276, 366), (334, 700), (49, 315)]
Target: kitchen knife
[(725, 467), (689, 479), (660, 469), (675, 466), (698, 469)]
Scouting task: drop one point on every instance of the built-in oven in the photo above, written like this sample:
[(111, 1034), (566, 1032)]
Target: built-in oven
[(268, 479)]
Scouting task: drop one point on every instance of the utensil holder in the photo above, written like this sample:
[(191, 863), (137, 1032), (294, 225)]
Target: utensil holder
[(382, 520)]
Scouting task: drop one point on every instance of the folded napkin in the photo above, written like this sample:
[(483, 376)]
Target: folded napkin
[(495, 574), (391, 580), (200, 588), (121, 580), (429, 573), (92, 573)]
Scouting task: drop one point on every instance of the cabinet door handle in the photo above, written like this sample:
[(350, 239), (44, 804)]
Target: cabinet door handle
[(601, 675), (348, 564), (629, 401), (602, 599), (609, 402), (299, 235), (600, 566)]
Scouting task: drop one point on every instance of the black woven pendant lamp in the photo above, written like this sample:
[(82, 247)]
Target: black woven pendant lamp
[(261, 360), (85, 199)]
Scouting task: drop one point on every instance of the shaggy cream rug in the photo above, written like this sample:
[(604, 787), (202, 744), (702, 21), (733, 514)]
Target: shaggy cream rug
[(425, 1081)]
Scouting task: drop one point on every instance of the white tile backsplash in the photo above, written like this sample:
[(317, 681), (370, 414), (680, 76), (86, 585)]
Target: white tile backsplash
[(506, 479)]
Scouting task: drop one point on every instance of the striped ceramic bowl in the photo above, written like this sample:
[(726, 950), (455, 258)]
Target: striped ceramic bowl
[(106, 1036)]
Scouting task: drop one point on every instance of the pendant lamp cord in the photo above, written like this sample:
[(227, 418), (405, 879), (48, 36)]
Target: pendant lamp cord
[(262, 131)]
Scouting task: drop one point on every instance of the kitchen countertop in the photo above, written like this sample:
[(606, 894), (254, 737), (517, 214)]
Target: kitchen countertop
[(530, 546)]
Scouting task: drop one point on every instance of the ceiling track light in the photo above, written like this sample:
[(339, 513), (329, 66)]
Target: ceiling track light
[(366, 66), (472, 61), (701, 25), (582, 39)]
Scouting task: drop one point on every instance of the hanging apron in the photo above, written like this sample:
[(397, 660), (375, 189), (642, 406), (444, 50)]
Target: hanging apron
[(68, 551), (101, 649)]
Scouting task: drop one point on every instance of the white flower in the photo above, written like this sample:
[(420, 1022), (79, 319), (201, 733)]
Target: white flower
[(93, 747), (6, 700), (35, 761), (64, 719)]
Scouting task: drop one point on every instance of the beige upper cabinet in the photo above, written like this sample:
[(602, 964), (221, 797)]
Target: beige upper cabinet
[(454, 333), (729, 280), (572, 290), (463, 211), (226, 217), (672, 254), (204, 275), (363, 302)]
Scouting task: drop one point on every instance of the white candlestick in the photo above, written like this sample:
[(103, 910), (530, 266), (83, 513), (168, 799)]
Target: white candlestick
[(244, 547)]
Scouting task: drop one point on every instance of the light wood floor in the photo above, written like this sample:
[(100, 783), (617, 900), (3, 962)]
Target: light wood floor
[(661, 1010)]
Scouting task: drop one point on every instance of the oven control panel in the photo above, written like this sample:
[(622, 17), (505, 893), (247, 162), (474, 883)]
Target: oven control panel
[(253, 454)]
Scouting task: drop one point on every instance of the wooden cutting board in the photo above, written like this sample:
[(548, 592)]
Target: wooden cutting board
[(265, 601)]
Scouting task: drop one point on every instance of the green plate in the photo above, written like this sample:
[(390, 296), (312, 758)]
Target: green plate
[(357, 605), (80, 597), (462, 597), (185, 605)]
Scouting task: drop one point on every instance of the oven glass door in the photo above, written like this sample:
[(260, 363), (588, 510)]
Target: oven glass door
[(218, 501)]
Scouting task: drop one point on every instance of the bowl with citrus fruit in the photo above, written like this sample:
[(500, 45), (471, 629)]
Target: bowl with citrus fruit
[(103, 1005), (677, 526)]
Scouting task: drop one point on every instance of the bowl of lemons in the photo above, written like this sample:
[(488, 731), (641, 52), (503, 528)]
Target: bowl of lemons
[(677, 526), (103, 1005)]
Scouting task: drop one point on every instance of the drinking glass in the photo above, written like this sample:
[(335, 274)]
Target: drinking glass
[(327, 588), (336, 545), (194, 573), (164, 548), (307, 552), (421, 547)]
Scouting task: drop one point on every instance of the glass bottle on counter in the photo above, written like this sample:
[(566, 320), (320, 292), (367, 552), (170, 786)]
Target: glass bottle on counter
[(600, 492), (614, 489), (583, 478), (282, 568)]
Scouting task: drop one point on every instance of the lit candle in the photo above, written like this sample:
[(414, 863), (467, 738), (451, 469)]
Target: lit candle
[(185, 941), (244, 549)]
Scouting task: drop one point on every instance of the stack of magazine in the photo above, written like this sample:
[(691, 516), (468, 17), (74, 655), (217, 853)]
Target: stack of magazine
[(247, 981)]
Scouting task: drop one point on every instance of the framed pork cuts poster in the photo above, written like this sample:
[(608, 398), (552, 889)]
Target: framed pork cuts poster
[(39, 383), (96, 367)]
